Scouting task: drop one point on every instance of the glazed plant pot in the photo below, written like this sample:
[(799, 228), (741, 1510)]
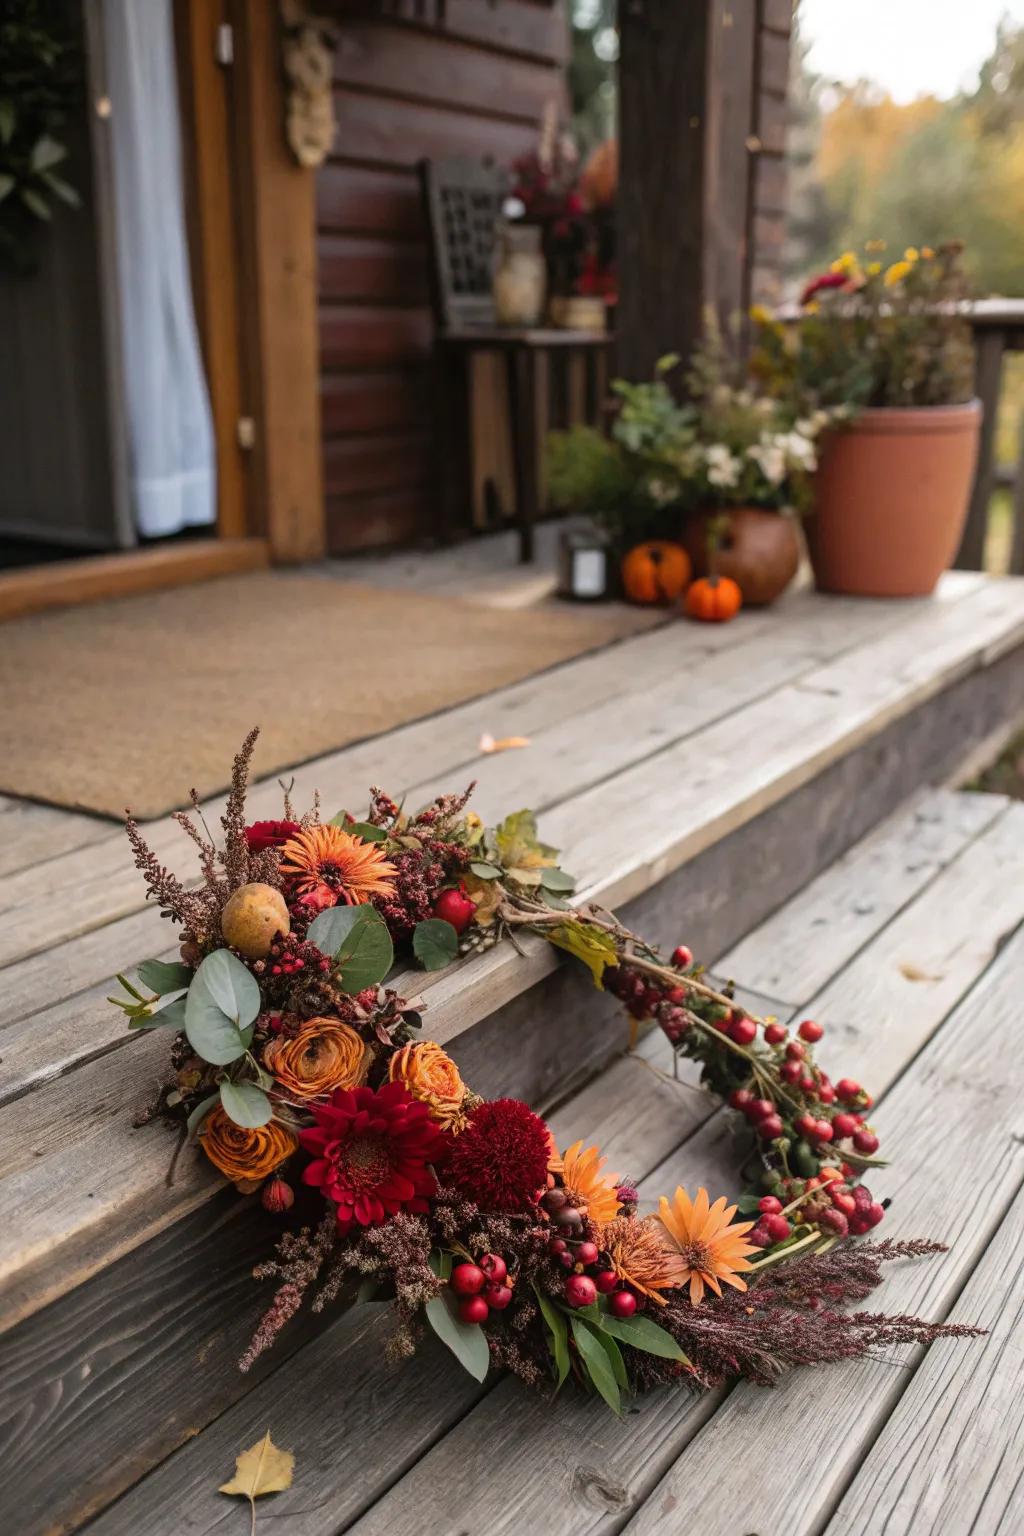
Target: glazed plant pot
[(758, 550), (891, 497)]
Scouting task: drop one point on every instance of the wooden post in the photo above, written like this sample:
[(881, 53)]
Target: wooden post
[(279, 294), (988, 376), (686, 109)]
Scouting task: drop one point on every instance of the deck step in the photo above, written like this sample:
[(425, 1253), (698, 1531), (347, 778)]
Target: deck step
[(577, 1468), (697, 779), (143, 1355)]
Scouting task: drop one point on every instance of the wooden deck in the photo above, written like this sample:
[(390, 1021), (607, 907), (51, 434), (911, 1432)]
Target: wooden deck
[(723, 785)]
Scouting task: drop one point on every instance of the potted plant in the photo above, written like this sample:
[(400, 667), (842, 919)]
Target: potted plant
[(749, 477), (890, 346), (632, 483)]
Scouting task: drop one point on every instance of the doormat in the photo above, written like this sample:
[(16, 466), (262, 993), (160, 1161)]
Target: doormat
[(133, 701)]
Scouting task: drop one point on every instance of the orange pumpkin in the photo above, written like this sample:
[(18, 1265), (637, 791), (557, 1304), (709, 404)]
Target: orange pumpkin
[(714, 599), (656, 572)]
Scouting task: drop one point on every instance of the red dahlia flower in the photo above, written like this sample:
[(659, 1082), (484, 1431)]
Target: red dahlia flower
[(269, 834), (824, 280), (371, 1153), (500, 1160)]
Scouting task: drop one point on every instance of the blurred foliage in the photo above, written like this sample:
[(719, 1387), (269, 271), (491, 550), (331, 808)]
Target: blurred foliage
[(926, 172), (592, 82), (40, 82)]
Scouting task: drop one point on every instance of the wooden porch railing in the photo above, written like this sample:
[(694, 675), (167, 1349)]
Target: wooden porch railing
[(998, 326)]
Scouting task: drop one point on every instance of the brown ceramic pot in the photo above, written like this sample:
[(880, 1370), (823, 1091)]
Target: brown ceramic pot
[(891, 496), (760, 551)]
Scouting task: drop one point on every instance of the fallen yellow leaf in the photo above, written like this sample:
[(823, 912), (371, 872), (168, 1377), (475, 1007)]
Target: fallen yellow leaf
[(263, 1468), (488, 743), (914, 973)]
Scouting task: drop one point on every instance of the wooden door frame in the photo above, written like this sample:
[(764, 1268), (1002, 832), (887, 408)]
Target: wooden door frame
[(252, 213)]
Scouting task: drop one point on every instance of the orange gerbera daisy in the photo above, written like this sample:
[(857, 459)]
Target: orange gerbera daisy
[(639, 1255), (330, 866), (581, 1175), (712, 1251)]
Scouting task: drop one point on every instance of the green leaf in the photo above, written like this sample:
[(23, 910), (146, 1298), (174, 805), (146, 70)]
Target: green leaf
[(163, 976), (591, 945), (557, 880), (46, 153), (517, 844), (172, 1013), (200, 1113), (467, 1341), (62, 189), (36, 204), (222, 1002), (485, 871), (435, 943), (8, 118), (441, 1263), (367, 831), (359, 941), (598, 1365), (369, 1285), (642, 1333), (7, 184), (558, 1331), (615, 1359), (246, 1104)]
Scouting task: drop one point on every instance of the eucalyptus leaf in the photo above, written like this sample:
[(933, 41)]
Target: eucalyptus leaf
[(246, 1104), (7, 185), (200, 1113), (358, 940), (163, 976), (171, 1013), (36, 204), (435, 943), (46, 153), (222, 1002), (484, 871), (642, 1333), (441, 1263), (557, 880), (595, 1359), (559, 1334), (467, 1341)]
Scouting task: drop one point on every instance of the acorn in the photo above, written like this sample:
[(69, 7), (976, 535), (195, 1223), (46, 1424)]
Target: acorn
[(252, 918), (277, 1196)]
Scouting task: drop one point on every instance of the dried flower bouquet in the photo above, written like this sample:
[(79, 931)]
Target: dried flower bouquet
[(296, 1065)]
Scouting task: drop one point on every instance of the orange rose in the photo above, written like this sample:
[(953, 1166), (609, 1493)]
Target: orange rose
[(325, 1054), (245, 1156), (432, 1077)]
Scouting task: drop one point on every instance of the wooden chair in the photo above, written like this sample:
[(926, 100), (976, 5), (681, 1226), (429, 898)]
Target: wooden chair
[(462, 201)]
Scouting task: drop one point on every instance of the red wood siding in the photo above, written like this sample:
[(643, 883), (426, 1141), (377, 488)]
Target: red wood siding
[(405, 88)]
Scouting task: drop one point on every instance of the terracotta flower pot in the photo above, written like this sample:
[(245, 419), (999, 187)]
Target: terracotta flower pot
[(760, 551), (891, 496)]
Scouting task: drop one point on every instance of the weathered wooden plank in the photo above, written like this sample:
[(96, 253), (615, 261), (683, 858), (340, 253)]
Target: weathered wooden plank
[(948, 1460), (32, 834), (857, 896), (798, 731)]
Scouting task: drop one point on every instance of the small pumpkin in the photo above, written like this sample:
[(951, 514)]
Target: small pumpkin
[(656, 572), (715, 599)]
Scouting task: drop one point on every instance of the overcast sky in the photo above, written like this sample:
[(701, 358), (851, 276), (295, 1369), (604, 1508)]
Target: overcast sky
[(909, 47)]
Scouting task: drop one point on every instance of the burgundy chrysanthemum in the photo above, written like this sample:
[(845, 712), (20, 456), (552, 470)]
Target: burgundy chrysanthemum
[(269, 834), (500, 1161), (822, 281), (371, 1153)]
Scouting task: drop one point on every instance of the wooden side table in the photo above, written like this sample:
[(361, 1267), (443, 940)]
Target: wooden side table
[(527, 354)]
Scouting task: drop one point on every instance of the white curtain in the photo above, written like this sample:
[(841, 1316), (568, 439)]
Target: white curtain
[(169, 423)]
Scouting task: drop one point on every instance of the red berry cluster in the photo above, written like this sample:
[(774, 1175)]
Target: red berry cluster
[(482, 1288), (647, 999), (577, 1255)]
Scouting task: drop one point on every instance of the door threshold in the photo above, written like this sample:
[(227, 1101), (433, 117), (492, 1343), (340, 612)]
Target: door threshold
[(127, 573)]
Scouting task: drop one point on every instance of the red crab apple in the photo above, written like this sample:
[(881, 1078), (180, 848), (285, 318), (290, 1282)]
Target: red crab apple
[(494, 1267), (622, 1304), (467, 1279), (580, 1291), (682, 957), (454, 906), (586, 1253), (496, 1296), (473, 1309), (606, 1280)]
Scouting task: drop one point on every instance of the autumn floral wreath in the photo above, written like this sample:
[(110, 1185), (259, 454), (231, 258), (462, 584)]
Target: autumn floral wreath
[(294, 1062)]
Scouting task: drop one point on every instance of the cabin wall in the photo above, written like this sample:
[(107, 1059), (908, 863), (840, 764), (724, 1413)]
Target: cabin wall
[(475, 82), (767, 210)]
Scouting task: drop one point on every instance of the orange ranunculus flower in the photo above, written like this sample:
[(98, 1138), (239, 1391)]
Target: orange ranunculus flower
[(245, 1156), (323, 1055), (432, 1077)]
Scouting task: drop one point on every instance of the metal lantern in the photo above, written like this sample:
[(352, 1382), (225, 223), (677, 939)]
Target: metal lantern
[(584, 565)]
